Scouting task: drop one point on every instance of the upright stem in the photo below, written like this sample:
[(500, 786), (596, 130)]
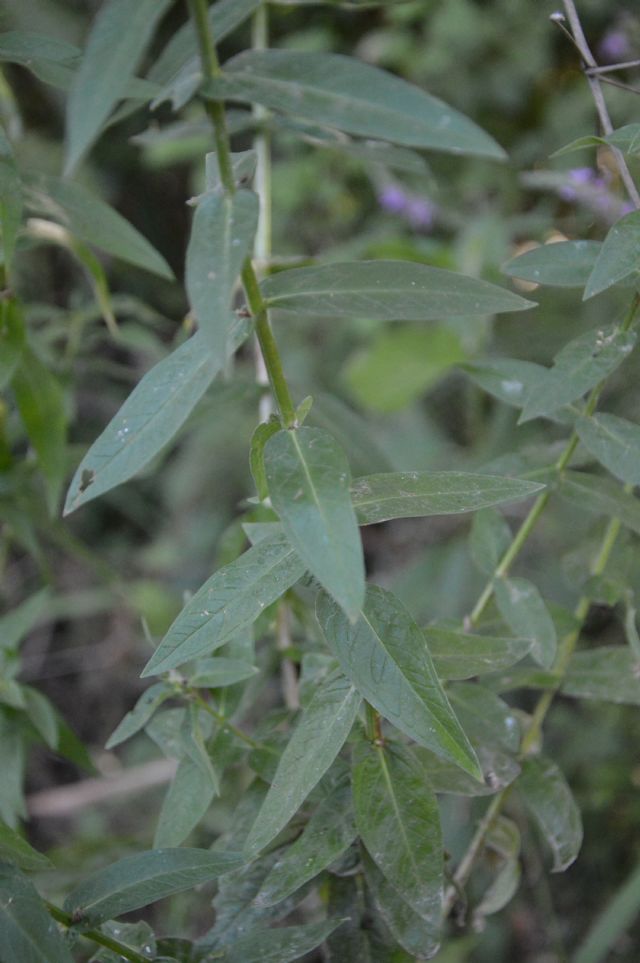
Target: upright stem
[(215, 109), (96, 936)]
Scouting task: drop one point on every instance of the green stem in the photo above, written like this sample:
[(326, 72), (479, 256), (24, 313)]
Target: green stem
[(223, 721), (534, 731), (96, 936), (215, 109), (540, 503)]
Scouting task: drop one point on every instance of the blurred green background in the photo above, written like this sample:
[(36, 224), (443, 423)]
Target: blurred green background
[(395, 397)]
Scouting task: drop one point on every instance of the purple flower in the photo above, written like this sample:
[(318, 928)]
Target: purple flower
[(614, 46), (582, 175), (392, 199)]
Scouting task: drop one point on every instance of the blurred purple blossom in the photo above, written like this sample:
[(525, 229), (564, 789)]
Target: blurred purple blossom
[(420, 212), (392, 199), (614, 46)]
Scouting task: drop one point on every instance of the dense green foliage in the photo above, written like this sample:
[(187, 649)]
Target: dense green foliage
[(347, 425)]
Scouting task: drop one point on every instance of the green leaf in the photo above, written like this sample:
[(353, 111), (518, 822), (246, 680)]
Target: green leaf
[(615, 442), (386, 291), (12, 339), (400, 365), (219, 672), (91, 220), (328, 834), (459, 655), (27, 932), (260, 437), (547, 795), (138, 880), (493, 729), (367, 151), (280, 945), (144, 709), (321, 731), (10, 198), (419, 937), (308, 478), (231, 600), (221, 237), (603, 496), (117, 40), (489, 539), (619, 256), (398, 820), (377, 498), (17, 623), (41, 405), (609, 673), (178, 67), (338, 91), (185, 803), (580, 365), (51, 60), (14, 849), (507, 379), (502, 839), (147, 421), (444, 777), (385, 656), (524, 611), (567, 264)]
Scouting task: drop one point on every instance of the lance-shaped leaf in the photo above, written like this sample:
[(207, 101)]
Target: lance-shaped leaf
[(398, 820), (619, 256), (578, 367), (27, 932), (279, 945), (90, 219), (602, 496), (502, 839), (51, 60), (320, 734), (609, 673), (116, 43), (220, 672), (547, 794), (615, 442), (566, 265), (308, 479), (327, 835), (385, 655), (144, 709), (409, 494), (147, 421), (185, 803), (524, 611), (386, 291), (136, 881), (459, 655), (507, 379), (40, 401), (231, 600), (493, 728), (14, 849), (10, 198), (419, 937), (338, 91), (221, 237), (499, 771)]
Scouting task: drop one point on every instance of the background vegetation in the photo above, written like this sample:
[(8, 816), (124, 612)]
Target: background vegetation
[(104, 585)]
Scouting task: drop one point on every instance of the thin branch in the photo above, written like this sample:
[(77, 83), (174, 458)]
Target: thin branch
[(598, 96), (610, 68)]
